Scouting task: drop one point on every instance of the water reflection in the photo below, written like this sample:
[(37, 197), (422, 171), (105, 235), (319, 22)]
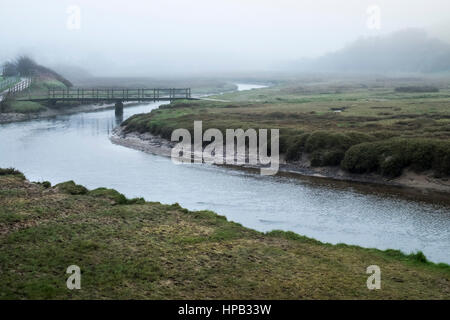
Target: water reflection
[(119, 119)]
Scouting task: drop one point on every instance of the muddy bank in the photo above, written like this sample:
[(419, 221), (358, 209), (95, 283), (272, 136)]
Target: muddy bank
[(424, 183)]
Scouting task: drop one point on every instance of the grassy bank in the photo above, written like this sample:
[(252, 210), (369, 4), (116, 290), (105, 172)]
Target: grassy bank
[(131, 249), (333, 123), (39, 87)]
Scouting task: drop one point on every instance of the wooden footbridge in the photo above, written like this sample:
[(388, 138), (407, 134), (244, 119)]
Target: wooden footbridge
[(113, 95)]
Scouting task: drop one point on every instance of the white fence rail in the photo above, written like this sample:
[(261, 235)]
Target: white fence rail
[(25, 83)]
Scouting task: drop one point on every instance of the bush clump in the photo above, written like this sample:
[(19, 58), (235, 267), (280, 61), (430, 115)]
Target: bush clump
[(326, 158), (115, 196), (295, 147), (419, 257), (11, 171), (45, 184), (71, 187), (8, 171), (390, 157), (326, 148)]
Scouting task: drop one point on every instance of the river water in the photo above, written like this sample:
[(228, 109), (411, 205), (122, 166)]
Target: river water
[(77, 147)]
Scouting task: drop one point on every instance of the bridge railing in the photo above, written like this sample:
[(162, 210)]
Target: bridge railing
[(20, 86), (119, 94)]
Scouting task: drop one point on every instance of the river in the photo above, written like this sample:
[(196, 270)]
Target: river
[(77, 147)]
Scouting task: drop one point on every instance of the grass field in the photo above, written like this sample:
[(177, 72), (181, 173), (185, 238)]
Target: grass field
[(39, 87), (325, 119), (131, 249), (26, 107), (198, 85)]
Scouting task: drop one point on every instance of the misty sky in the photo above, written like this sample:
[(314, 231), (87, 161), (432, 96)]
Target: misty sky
[(173, 36)]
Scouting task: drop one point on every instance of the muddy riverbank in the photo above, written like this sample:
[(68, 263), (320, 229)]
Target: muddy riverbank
[(424, 183), (10, 117)]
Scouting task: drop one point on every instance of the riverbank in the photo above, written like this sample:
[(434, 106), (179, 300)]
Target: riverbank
[(16, 110), (362, 132), (409, 181), (49, 113), (131, 249)]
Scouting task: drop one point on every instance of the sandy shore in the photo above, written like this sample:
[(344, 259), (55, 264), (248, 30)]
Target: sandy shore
[(424, 182)]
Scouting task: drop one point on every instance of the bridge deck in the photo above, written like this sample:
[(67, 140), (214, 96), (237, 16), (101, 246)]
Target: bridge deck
[(92, 95)]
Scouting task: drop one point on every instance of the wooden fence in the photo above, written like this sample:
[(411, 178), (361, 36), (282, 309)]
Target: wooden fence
[(20, 86)]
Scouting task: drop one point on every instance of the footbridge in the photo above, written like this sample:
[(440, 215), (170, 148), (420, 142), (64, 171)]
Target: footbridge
[(110, 95)]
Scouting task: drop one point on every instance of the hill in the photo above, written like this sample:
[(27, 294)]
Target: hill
[(27, 67), (408, 51), (132, 249)]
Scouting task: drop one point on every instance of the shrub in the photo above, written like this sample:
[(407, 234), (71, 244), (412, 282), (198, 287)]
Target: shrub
[(326, 148), (441, 159), (332, 158), (115, 196), (391, 156), (296, 146), (325, 140), (110, 194), (337, 141), (287, 139), (326, 158), (316, 159), (45, 184), (11, 171), (71, 187), (419, 257), (392, 166), (361, 158), (422, 155)]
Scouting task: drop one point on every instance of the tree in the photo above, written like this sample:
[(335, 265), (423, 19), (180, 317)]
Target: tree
[(25, 66)]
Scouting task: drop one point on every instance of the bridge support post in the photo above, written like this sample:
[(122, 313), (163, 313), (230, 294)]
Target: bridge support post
[(119, 108)]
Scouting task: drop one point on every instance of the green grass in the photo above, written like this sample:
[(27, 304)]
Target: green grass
[(49, 84), (309, 124), (25, 107), (198, 85), (147, 250), (38, 88)]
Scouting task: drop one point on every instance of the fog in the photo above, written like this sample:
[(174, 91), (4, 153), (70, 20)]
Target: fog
[(174, 37)]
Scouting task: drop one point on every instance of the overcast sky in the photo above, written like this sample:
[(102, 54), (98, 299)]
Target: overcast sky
[(136, 37)]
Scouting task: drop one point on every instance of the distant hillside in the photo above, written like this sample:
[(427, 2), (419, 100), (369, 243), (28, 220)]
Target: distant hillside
[(410, 50), (73, 73), (441, 31)]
